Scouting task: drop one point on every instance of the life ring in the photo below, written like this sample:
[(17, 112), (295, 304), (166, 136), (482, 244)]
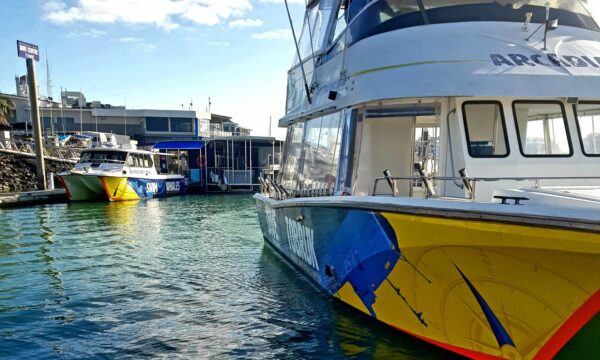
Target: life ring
[(201, 162)]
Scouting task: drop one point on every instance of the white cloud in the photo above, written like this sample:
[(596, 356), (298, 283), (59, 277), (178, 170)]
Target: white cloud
[(91, 33), (218, 43), (138, 43), (245, 23), (130, 39), (273, 34), (162, 13)]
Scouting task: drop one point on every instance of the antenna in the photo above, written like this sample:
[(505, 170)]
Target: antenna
[(80, 110), (191, 104), (269, 126), (125, 117), (209, 103), (49, 92)]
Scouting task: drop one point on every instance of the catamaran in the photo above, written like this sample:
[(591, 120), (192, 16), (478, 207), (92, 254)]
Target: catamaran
[(442, 170), (119, 174)]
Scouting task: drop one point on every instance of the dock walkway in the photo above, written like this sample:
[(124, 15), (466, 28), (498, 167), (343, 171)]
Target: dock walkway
[(32, 198)]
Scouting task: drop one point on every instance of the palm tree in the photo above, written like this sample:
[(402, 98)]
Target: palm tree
[(6, 106)]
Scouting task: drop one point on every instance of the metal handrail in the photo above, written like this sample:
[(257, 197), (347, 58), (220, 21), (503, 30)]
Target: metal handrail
[(474, 180)]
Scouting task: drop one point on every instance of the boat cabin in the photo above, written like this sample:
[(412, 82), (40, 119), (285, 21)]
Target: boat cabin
[(128, 162), (448, 99)]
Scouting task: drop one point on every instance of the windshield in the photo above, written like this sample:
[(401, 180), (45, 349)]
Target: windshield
[(102, 157), (371, 17)]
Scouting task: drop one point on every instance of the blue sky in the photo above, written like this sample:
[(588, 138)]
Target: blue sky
[(159, 54)]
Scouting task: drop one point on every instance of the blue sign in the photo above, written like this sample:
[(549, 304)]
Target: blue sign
[(28, 51)]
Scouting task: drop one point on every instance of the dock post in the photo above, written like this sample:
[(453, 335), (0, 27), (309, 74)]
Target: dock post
[(37, 128)]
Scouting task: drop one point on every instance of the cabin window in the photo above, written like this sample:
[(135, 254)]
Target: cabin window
[(485, 129), (293, 141), (372, 17), (312, 38), (340, 22), (588, 123), (542, 128), (130, 160), (321, 152), (102, 156)]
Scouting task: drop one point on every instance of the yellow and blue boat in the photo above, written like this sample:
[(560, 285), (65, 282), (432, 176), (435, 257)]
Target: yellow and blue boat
[(119, 175), (441, 171)]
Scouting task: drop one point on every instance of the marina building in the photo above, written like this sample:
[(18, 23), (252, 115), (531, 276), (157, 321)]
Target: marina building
[(148, 126)]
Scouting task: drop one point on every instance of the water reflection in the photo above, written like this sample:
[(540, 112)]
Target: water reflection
[(180, 277)]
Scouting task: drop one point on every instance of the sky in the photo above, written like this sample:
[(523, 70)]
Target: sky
[(159, 54)]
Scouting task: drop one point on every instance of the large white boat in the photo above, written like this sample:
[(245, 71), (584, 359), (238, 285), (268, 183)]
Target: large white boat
[(442, 170), (119, 174)]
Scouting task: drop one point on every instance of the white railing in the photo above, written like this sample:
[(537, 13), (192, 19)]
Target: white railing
[(24, 148)]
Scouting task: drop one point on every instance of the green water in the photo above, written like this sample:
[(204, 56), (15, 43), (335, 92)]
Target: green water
[(186, 277)]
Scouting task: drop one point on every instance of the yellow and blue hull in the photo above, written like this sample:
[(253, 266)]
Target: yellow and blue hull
[(116, 188), (482, 289)]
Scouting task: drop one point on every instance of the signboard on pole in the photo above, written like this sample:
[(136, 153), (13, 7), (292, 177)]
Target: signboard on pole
[(28, 51)]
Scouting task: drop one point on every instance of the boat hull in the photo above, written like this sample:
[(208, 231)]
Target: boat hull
[(115, 188), (483, 289)]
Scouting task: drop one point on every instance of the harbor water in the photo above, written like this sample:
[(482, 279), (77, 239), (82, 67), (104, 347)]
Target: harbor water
[(184, 277)]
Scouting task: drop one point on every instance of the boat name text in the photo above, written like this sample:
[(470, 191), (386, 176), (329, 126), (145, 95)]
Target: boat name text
[(302, 242), (152, 187), (272, 225), (546, 60), (173, 186)]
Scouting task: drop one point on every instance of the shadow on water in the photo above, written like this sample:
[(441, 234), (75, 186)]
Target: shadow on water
[(328, 326), (186, 277)]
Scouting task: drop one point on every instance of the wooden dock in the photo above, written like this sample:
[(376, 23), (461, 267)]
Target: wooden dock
[(33, 198)]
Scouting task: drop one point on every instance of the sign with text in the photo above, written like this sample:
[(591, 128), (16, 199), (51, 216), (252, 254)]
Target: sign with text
[(28, 51)]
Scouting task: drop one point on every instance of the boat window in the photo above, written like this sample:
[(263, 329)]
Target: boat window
[(102, 157), (312, 37), (321, 152), (293, 142), (371, 17), (542, 128), (485, 129), (130, 160), (340, 22), (588, 123)]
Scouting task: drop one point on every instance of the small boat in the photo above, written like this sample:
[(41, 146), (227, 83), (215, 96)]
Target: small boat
[(441, 170), (118, 175)]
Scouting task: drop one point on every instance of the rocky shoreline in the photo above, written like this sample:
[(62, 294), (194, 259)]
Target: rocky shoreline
[(19, 173)]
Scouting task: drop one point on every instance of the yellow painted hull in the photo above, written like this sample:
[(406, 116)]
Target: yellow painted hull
[(117, 188), (481, 289)]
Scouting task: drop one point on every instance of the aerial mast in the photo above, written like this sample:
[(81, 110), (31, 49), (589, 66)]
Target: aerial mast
[(49, 92)]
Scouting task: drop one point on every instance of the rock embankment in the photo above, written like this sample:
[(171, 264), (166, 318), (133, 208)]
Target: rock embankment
[(19, 173)]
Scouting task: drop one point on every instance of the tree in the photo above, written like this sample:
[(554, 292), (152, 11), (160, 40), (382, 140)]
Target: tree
[(6, 107)]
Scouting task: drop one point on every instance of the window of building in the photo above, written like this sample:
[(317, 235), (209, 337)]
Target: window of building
[(157, 124), (182, 125), (485, 129), (542, 128), (588, 123)]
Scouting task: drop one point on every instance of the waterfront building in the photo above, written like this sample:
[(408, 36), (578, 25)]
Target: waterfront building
[(148, 126)]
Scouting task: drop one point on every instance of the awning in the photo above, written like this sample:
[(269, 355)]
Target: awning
[(179, 145)]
